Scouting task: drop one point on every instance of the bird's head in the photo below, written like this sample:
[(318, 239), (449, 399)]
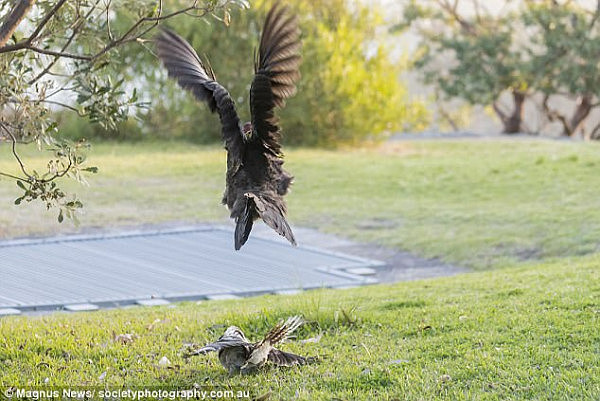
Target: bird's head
[(247, 130), (234, 331)]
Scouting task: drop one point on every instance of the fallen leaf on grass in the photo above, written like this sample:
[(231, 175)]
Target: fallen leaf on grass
[(445, 378), (398, 361), (155, 323), (311, 340), (164, 362), (124, 338)]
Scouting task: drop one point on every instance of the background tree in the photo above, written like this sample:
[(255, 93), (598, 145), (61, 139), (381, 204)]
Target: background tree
[(71, 55), (349, 90), (565, 55), (546, 48), (472, 57)]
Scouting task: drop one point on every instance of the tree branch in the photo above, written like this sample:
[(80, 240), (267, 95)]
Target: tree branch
[(46, 19), (554, 115), (14, 19), (14, 151), (595, 133), (66, 106), (125, 38), (57, 53), (61, 173), (30, 178), (452, 10), (56, 58), (14, 177), (11, 24), (109, 32), (76, 27)]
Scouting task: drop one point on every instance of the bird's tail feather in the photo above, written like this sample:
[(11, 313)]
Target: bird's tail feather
[(283, 330), (272, 211), (243, 224)]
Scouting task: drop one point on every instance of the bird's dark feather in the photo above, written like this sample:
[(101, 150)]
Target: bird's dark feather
[(273, 214), (282, 358), (276, 73), (282, 330), (256, 181), (183, 64), (244, 223)]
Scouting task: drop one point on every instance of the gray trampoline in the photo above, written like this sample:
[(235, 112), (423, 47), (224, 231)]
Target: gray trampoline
[(184, 264)]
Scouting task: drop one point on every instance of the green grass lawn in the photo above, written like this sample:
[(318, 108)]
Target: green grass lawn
[(530, 332), (528, 212), (485, 203)]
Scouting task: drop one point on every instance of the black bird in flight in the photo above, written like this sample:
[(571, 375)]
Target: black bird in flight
[(256, 181), (237, 354)]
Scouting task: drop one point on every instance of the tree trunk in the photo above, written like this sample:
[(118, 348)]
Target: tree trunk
[(513, 122), (582, 111), (594, 134), (12, 20)]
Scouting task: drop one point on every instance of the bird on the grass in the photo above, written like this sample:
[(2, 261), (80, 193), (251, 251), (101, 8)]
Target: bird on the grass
[(237, 354), (255, 181)]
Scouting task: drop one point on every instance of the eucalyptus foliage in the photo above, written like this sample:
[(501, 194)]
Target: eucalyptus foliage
[(72, 55)]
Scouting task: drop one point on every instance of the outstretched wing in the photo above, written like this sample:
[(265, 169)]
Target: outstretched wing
[(221, 343), (276, 74), (184, 65), (233, 337), (281, 358)]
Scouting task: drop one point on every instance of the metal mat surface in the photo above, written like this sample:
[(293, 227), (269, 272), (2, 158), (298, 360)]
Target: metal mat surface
[(193, 263)]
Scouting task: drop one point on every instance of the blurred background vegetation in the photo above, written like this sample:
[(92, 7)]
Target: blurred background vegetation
[(371, 70), (533, 64), (350, 90)]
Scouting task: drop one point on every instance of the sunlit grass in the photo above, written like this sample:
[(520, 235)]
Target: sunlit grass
[(524, 333), (479, 203), (528, 332)]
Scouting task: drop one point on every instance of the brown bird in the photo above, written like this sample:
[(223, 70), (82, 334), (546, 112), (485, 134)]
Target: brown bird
[(237, 354), (256, 181)]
